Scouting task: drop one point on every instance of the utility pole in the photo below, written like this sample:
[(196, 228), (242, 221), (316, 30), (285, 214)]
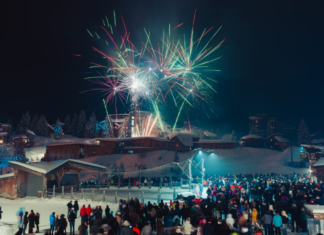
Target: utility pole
[(202, 172)]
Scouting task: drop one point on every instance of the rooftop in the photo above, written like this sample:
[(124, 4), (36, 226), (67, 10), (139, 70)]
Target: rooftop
[(216, 142), (252, 137)]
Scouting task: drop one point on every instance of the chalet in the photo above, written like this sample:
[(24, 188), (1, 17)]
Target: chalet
[(215, 144), (318, 169), (64, 150), (253, 141), (3, 138), (209, 135), (184, 141), (277, 142), (5, 128), (20, 138)]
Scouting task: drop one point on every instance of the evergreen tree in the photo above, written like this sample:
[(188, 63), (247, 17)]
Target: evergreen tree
[(24, 123), (58, 132), (34, 122), (41, 127), (121, 170), (74, 124), (97, 130), (81, 124), (19, 152), (113, 171), (67, 125), (11, 124), (106, 130), (269, 129), (303, 133), (233, 136)]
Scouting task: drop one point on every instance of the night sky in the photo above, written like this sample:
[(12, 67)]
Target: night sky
[(272, 59)]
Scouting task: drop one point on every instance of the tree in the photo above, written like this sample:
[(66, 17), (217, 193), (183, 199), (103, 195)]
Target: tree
[(106, 130), (121, 170), (11, 124), (233, 136), (34, 122), (42, 127), (218, 133), (89, 129), (303, 133), (19, 153), (113, 171), (81, 124), (74, 124), (97, 130), (24, 123), (269, 129), (58, 132), (67, 125)]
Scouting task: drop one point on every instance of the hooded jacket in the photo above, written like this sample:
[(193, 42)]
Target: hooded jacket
[(230, 221), (94, 228), (187, 227), (83, 211), (147, 230), (52, 219), (254, 215), (277, 221), (88, 210), (267, 218), (126, 230)]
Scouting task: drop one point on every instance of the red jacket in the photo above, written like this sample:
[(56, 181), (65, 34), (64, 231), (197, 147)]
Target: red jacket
[(89, 210), (83, 211)]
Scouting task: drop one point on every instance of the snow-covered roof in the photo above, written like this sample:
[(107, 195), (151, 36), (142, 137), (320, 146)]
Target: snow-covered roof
[(65, 143), (5, 176), (313, 146), (319, 163), (185, 138), (49, 167), (50, 126), (254, 117), (133, 138), (216, 142), (3, 133), (317, 141), (210, 134), (31, 132), (282, 139), (22, 136), (274, 134), (227, 137), (252, 137)]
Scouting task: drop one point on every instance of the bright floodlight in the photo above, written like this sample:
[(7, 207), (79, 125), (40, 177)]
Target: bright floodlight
[(199, 151), (190, 90), (150, 69), (187, 69)]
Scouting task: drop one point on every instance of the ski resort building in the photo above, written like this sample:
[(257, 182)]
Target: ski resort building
[(276, 141), (178, 142), (253, 141)]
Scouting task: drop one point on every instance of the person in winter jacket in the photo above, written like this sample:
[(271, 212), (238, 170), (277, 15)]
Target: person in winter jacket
[(147, 230), (57, 223), (63, 223), (31, 221), (187, 227), (0, 212), (69, 206), (284, 218), (126, 230), (76, 208), (267, 221), (303, 220), (135, 229), (83, 228), (37, 222), (230, 221), (277, 222), (119, 219), (83, 213), (107, 210), (52, 220), (208, 228), (71, 218), (25, 221), (254, 217), (94, 228), (294, 217), (89, 210)]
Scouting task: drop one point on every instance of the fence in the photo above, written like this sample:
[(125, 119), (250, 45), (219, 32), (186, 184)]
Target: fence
[(105, 194)]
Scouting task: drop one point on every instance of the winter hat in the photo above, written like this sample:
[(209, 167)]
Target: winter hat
[(118, 213), (178, 230), (94, 217), (111, 212), (56, 216), (99, 206), (126, 223)]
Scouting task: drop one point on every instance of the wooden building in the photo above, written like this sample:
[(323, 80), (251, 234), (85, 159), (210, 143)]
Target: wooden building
[(21, 138), (3, 138), (277, 142), (215, 144), (28, 179), (64, 150), (253, 141), (4, 127)]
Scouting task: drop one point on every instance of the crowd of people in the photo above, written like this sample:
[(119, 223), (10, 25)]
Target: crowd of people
[(235, 204)]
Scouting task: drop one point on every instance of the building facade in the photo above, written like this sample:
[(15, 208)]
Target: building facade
[(277, 142)]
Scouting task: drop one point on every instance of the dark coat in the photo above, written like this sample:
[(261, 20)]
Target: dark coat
[(36, 219), (25, 218), (0, 213), (208, 229), (31, 220), (72, 217), (82, 229), (69, 205), (63, 223), (76, 206)]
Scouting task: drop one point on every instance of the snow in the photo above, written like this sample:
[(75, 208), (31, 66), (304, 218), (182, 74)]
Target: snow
[(216, 142), (320, 162), (30, 132), (9, 175), (184, 138), (317, 141), (282, 139), (3, 133), (315, 208), (252, 137), (254, 117), (64, 143), (45, 207), (209, 134), (20, 136)]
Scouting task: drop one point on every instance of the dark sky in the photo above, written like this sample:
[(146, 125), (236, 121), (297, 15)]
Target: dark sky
[(272, 59)]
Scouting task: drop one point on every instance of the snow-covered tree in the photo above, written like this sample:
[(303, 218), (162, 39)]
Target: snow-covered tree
[(74, 124), (121, 170), (218, 133), (67, 125), (269, 129), (41, 127), (233, 136), (113, 171), (58, 132), (303, 133), (24, 123), (106, 130), (19, 152), (34, 122), (81, 124), (89, 130), (97, 130), (11, 124)]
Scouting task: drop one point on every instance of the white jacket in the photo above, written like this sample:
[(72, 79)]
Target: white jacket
[(187, 228)]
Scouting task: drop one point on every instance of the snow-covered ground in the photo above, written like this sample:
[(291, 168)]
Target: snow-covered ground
[(8, 224)]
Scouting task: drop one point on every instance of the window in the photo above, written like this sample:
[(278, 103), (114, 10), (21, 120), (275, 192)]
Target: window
[(65, 150), (138, 144), (127, 144), (106, 151), (169, 145), (55, 158), (72, 150), (55, 150), (65, 157), (256, 121), (142, 144), (151, 144)]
